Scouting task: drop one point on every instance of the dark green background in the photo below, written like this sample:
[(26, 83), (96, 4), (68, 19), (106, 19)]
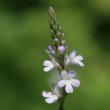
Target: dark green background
[(24, 34)]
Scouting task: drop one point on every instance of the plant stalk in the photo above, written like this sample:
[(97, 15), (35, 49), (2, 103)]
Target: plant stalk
[(62, 100)]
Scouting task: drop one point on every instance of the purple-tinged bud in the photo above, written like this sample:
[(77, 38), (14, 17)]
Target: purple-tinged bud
[(61, 49)]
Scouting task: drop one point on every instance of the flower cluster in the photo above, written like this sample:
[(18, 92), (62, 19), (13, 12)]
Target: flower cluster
[(61, 61)]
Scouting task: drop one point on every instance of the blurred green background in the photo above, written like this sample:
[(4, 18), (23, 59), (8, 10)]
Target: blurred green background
[(24, 34)]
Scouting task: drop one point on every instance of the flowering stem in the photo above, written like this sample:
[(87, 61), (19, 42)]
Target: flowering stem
[(58, 37), (61, 106), (60, 60), (62, 100)]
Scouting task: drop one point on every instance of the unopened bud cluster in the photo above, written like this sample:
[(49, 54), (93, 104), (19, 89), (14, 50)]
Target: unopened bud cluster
[(61, 61)]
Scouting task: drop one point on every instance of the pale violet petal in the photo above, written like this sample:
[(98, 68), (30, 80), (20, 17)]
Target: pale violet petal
[(51, 99), (47, 63), (64, 74), (55, 97), (73, 54), (51, 66), (78, 60), (46, 69), (61, 83), (81, 64), (68, 88), (79, 57), (71, 74), (46, 94), (75, 82)]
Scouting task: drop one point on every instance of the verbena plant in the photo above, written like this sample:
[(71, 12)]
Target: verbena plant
[(62, 62)]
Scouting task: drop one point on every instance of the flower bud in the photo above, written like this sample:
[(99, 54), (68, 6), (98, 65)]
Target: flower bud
[(61, 49), (56, 40), (58, 34), (63, 34), (63, 42), (60, 27)]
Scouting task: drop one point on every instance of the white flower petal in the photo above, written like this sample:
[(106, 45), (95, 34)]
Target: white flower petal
[(81, 64), (69, 88), (79, 57), (51, 99), (78, 60), (48, 65), (71, 74), (47, 62), (75, 59), (73, 54), (46, 69), (46, 94), (64, 74), (61, 83), (75, 82)]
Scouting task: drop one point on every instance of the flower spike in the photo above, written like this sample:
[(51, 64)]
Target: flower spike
[(60, 60)]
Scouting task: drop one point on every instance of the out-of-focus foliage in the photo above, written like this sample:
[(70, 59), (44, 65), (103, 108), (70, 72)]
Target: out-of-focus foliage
[(24, 34)]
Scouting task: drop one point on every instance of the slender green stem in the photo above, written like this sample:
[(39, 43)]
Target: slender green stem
[(62, 100)]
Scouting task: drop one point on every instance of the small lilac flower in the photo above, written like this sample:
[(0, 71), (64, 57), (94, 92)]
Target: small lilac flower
[(75, 59), (68, 81), (48, 65), (51, 97), (61, 49)]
